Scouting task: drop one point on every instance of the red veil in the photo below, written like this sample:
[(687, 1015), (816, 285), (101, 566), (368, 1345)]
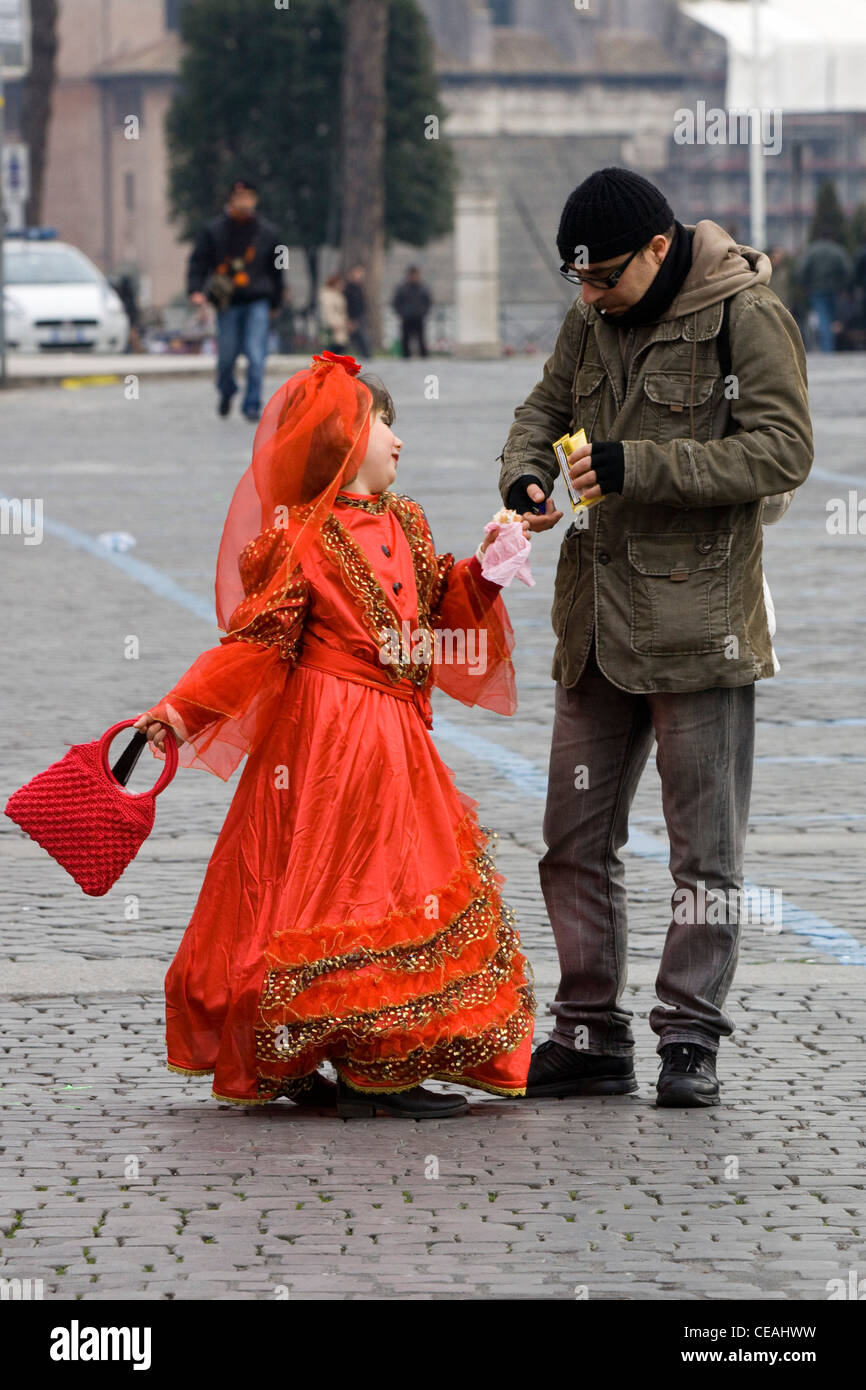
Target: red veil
[(312, 438)]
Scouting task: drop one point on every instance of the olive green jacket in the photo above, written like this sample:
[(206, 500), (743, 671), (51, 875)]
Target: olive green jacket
[(669, 572)]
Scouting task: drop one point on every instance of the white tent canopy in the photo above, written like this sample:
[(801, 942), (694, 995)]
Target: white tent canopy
[(813, 55)]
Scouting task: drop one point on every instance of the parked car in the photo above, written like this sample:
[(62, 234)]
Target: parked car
[(56, 300)]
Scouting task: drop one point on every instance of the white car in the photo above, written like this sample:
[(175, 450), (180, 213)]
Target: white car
[(56, 300)]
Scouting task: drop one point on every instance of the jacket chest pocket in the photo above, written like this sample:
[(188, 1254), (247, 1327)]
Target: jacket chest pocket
[(587, 396), (567, 575), (666, 412), (679, 590)]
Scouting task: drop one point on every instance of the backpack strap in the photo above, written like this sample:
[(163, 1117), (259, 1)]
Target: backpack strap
[(581, 344), (724, 339)]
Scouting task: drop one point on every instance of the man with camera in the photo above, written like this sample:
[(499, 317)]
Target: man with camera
[(234, 265)]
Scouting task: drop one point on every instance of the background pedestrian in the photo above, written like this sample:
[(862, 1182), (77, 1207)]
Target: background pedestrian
[(356, 307), (411, 303), (234, 265), (825, 272), (333, 315)]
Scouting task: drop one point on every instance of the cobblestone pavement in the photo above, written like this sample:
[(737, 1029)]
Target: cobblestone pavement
[(121, 1179)]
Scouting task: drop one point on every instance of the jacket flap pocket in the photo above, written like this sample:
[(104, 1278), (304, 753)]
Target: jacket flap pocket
[(672, 388), (678, 553), (588, 378)]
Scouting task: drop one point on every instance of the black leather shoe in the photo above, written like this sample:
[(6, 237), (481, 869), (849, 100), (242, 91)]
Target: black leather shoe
[(416, 1104), (556, 1070), (252, 415), (688, 1076), (224, 405), (317, 1092)]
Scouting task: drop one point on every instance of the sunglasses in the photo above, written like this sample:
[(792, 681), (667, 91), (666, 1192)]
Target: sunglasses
[(598, 282)]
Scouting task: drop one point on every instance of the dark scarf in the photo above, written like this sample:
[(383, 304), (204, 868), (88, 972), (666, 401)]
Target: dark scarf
[(666, 285)]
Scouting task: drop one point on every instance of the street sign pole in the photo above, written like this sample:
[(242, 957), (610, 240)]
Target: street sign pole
[(14, 62), (3, 381), (757, 162)]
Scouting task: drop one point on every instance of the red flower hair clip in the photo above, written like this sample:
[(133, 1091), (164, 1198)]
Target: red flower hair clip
[(349, 363)]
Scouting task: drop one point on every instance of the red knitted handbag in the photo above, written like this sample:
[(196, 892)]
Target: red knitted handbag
[(80, 813)]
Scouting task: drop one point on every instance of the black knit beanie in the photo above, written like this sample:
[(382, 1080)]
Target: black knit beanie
[(610, 213)]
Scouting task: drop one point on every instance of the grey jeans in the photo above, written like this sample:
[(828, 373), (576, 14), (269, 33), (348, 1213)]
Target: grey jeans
[(602, 737)]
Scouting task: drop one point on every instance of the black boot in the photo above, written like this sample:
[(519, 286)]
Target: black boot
[(224, 405), (315, 1091), (556, 1070), (416, 1104), (688, 1076)]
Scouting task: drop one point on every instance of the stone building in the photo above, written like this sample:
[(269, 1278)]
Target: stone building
[(535, 94), (105, 180)]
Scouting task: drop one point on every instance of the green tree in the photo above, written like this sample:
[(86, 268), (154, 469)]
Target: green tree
[(420, 172), (828, 219), (259, 96)]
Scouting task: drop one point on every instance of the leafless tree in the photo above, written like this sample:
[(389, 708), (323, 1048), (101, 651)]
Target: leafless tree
[(362, 174), (36, 93)]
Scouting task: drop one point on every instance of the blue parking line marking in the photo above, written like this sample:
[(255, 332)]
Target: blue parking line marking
[(849, 479), (142, 573)]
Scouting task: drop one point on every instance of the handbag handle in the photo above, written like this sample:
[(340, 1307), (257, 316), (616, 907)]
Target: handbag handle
[(123, 769), (165, 776)]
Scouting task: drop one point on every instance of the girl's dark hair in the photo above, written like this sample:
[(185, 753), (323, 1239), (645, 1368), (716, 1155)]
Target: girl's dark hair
[(382, 403)]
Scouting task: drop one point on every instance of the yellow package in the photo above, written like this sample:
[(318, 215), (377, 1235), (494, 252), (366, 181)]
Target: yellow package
[(564, 448)]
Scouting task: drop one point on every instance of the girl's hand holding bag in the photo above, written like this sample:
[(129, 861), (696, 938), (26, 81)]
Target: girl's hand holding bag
[(78, 810)]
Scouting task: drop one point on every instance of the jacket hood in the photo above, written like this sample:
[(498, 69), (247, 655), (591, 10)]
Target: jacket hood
[(720, 267)]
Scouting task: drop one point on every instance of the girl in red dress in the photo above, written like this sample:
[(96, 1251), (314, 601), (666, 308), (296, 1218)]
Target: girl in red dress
[(351, 911)]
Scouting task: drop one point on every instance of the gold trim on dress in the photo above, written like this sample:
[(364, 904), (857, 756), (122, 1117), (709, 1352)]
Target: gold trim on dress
[(284, 983), (434, 1076), (482, 855), (281, 621), (288, 1088), (481, 1085), (235, 1100), (366, 504), (362, 584), (467, 991), (189, 1071), (340, 1034)]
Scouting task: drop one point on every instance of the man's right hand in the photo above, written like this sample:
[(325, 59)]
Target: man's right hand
[(537, 522), (197, 297)]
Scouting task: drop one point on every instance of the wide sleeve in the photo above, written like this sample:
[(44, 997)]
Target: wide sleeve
[(473, 637), (229, 697)]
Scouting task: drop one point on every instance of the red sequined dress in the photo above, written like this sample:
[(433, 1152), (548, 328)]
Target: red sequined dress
[(351, 910)]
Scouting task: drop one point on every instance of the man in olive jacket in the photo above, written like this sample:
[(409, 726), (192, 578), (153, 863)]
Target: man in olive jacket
[(689, 377)]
